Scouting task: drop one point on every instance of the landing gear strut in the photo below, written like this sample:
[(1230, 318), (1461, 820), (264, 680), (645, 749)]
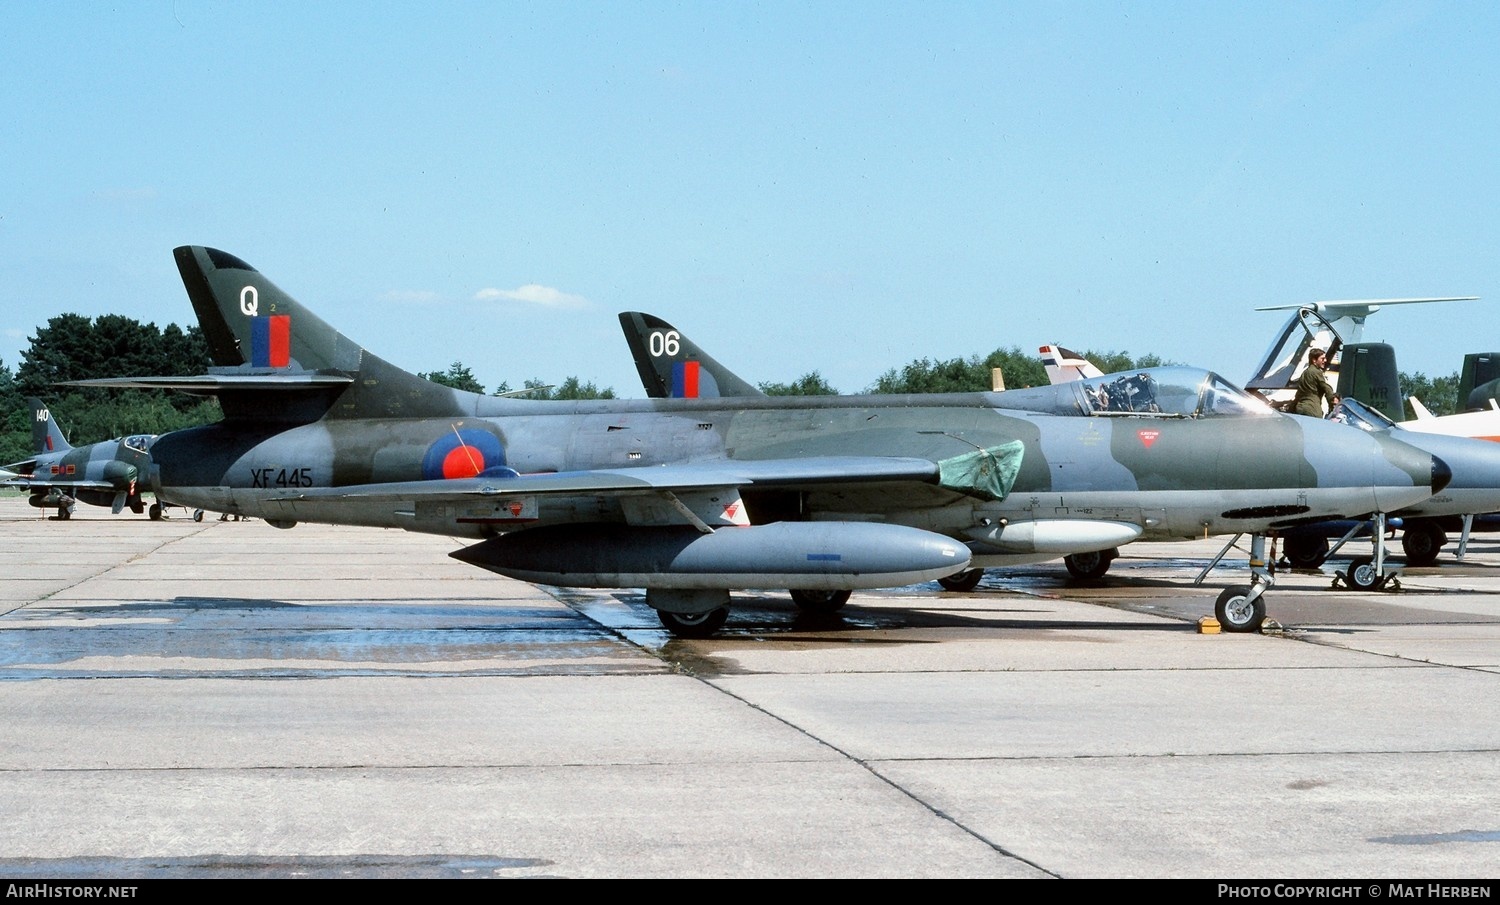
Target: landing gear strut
[(1242, 608), (1370, 573)]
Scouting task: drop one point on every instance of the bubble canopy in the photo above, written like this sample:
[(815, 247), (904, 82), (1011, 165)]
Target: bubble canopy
[(1165, 392)]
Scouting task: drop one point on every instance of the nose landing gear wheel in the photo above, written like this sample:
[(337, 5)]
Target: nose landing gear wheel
[(1362, 575), (1236, 612)]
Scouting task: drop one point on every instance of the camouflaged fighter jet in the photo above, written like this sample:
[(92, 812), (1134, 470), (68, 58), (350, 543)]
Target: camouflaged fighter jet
[(672, 366), (1474, 487), (693, 498), (109, 473)]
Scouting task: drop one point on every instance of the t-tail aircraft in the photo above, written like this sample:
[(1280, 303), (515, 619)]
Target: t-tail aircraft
[(1063, 365), (58, 475), (691, 499), (1336, 327)]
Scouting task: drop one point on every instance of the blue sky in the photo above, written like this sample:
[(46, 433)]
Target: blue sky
[(841, 187)]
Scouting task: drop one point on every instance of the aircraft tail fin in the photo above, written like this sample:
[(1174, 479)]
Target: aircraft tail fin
[(672, 366), (1367, 372), (1479, 381), (46, 436), (1065, 366), (256, 329), (1420, 409)]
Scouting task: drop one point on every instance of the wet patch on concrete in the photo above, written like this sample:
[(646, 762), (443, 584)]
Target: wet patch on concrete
[(247, 866)]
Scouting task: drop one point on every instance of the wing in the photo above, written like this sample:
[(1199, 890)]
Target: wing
[(774, 473), (704, 495), (28, 482), (214, 384)]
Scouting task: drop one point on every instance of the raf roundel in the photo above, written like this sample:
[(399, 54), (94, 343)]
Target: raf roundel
[(463, 453)]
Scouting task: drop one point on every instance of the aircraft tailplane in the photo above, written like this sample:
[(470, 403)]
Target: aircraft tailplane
[(1065, 365)]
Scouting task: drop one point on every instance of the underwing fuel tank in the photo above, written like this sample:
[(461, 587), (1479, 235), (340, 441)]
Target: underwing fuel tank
[(793, 555), (1057, 536)]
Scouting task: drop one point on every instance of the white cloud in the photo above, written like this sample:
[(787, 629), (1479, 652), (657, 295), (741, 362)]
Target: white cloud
[(534, 294)]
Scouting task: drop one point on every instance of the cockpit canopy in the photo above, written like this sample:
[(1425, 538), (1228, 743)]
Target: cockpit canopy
[(1169, 392), (1364, 417)]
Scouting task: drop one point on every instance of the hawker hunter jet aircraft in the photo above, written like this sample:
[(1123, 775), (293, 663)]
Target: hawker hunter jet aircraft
[(109, 473), (1474, 487), (693, 498), (1366, 372)]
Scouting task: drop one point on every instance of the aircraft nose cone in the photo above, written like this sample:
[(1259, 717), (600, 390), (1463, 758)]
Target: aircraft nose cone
[(1441, 474)]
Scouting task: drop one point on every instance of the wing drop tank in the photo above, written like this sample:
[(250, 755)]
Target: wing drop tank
[(794, 555)]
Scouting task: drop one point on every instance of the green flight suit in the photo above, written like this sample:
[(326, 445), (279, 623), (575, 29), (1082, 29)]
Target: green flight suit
[(1312, 389)]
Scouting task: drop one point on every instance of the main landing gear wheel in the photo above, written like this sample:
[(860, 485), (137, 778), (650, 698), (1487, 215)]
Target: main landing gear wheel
[(155, 512), (820, 601), (1421, 542), (64, 513), (1236, 612), (1305, 552), (1362, 575), (967, 580), (1089, 565), (197, 515), (694, 625)]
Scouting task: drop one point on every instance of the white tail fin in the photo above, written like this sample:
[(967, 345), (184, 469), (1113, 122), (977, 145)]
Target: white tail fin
[(1420, 409), (1065, 366)]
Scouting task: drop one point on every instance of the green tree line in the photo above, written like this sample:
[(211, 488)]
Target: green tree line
[(74, 347)]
